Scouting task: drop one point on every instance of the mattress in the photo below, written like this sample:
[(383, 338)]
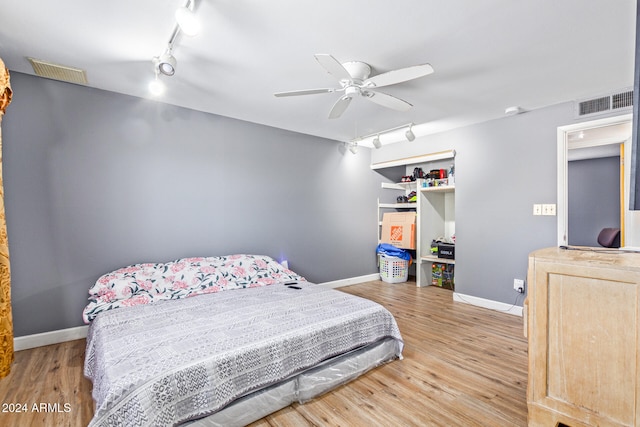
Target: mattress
[(177, 361)]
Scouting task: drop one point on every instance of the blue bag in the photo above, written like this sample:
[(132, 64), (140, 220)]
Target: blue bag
[(390, 250)]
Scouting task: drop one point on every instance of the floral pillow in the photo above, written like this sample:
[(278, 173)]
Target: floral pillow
[(145, 283)]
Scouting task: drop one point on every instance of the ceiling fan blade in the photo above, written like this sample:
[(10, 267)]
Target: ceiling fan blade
[(388, 101), (303, 92), (398, 76), (340, 106), (333, 66)]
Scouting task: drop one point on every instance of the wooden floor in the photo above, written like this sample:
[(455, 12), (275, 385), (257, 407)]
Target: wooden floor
[(462, 366)]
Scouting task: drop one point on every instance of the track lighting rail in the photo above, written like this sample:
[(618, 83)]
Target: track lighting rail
[(408, 134)]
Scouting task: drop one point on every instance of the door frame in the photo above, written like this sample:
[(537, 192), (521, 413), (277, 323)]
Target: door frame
[(563, 166)]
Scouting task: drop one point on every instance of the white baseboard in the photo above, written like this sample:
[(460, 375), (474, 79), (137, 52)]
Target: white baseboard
[(487, 303), (351, 281), (48, 338)]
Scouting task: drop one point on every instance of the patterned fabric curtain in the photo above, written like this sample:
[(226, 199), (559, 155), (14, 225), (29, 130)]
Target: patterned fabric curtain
[(6, 321)]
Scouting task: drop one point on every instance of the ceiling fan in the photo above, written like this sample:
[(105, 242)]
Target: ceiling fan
[(354, 80)]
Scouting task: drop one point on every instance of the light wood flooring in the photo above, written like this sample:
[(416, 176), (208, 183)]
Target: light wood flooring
[(462, 366)]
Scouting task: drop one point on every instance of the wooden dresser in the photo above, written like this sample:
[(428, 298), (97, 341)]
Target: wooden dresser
[(583, 313)]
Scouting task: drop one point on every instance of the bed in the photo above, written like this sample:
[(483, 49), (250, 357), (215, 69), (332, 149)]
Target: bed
[(223, 341)]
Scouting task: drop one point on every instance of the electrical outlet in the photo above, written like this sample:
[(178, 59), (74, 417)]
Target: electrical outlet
[(518, 285), (537, 209)]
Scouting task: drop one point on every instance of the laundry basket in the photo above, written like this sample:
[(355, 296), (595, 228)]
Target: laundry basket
[(393, 269)]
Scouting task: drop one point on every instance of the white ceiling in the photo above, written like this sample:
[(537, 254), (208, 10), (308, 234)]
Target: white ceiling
[(488, 55)]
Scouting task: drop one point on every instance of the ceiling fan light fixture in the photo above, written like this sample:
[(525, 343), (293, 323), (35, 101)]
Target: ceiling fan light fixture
[(376, 142), (409, 133), (167, 64), (188, 21)]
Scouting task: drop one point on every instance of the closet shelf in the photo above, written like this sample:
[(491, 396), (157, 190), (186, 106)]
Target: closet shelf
[(431, 258), (439, 189), (398, 205)]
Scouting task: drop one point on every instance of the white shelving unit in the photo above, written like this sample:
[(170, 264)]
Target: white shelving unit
[(435, 211), (436, 219)]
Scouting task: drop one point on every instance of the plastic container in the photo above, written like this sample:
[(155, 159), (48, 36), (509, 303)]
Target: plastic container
[(393, 269)]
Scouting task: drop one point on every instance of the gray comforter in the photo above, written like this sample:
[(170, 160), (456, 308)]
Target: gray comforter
[(172, 361)]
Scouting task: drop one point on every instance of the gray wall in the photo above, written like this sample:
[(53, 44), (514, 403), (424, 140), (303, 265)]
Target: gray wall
[(96, 180), (594, 198), (503, 167)]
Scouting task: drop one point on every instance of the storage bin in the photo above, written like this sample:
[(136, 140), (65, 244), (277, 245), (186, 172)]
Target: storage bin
[(393, 269)]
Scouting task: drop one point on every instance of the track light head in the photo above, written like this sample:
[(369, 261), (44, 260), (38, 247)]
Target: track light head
[(167, 63), (156, 87), (409, 133), (376, 142), (353, 147)]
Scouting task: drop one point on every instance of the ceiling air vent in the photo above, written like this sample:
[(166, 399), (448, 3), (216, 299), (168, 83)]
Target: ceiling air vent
[(622, 100), (605, 104), (58, 72)]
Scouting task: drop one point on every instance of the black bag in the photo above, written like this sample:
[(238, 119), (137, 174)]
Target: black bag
[(418, 173)]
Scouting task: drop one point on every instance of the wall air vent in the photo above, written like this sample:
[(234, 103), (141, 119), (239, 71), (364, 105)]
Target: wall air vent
[(58, 72), (617, 102)]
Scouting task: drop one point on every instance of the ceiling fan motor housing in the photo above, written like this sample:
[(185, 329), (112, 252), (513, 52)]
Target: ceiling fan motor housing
[(359, 71)]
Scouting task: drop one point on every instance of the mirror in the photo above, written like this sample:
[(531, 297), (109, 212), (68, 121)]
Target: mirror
[(597, 138)]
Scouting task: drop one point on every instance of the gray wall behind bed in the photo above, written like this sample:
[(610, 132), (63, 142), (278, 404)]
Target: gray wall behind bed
[(96, 180)]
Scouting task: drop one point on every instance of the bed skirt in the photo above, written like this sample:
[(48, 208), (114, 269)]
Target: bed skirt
[(302, 387)]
